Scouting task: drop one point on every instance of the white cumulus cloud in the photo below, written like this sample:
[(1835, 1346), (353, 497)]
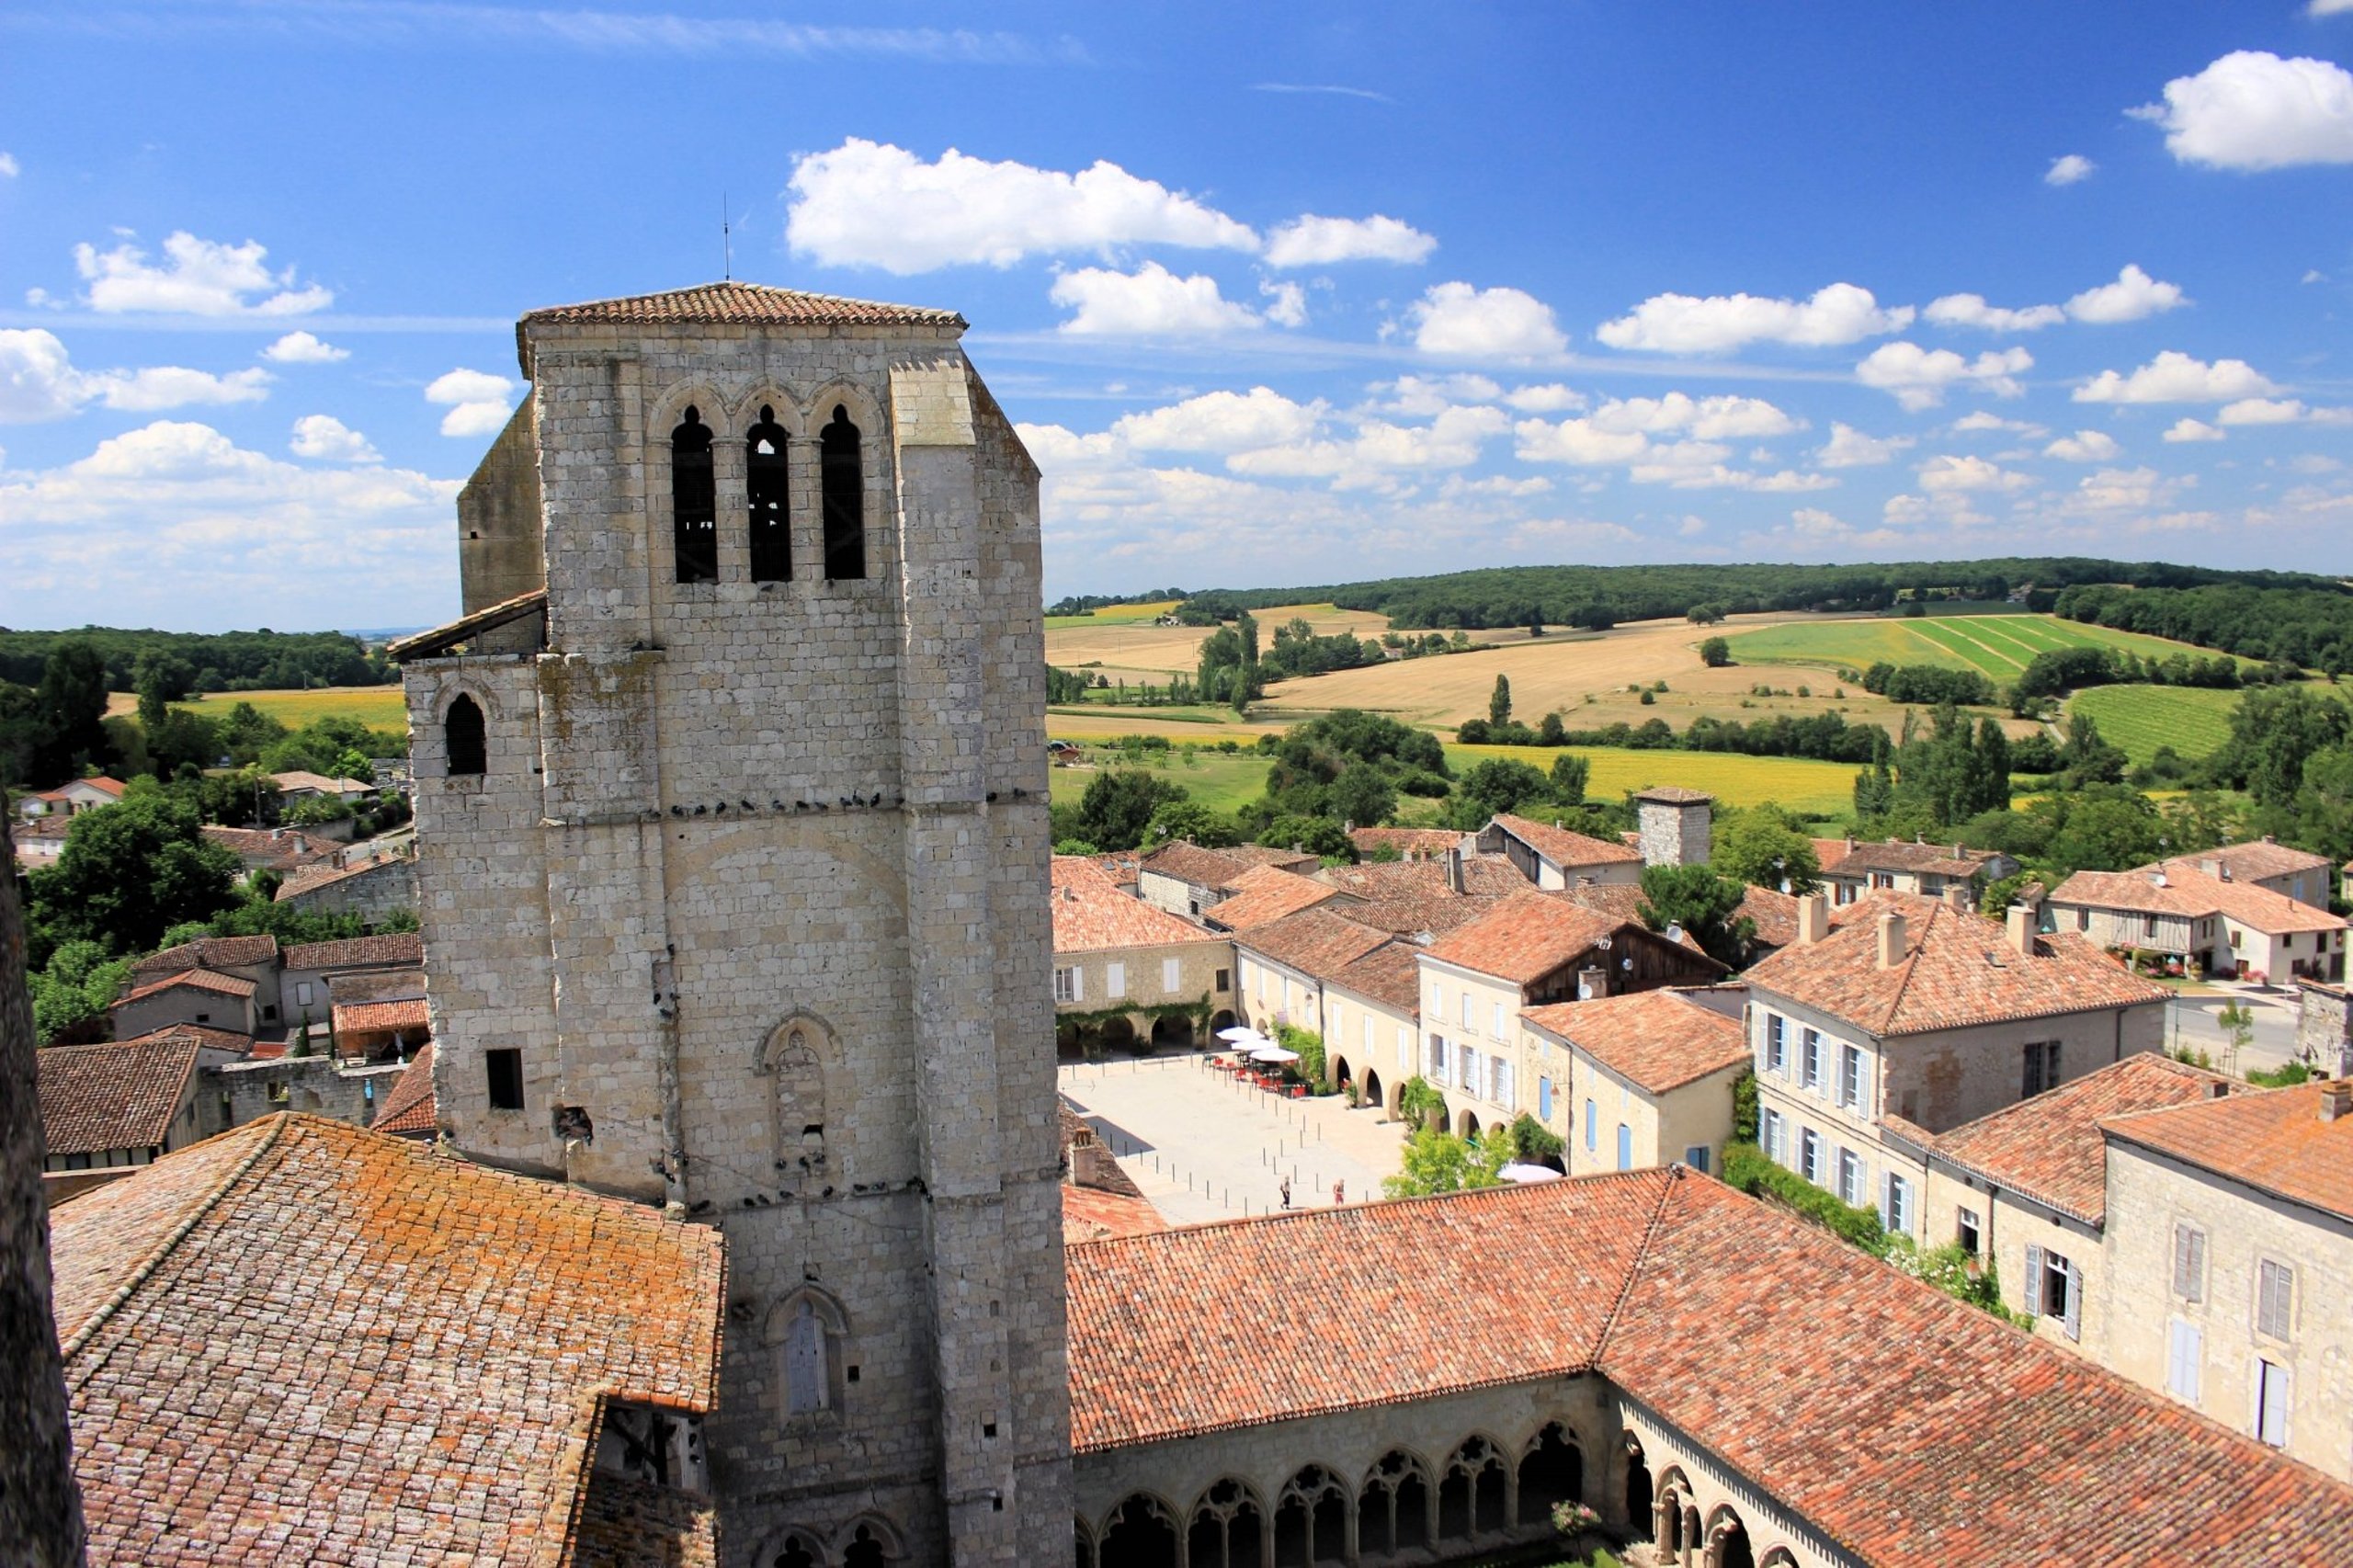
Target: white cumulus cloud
[(479, 401), (8, 166), (2134, 296), (2068, 169), (38, 380), (2084, 447), (1577, 441), (1681, 323), (2128, 489), (2175, 377), (198, 277), (1310, 241), (303, 349), (329, 440), (2251, 109), (1221, 422), (1503, 324), (1971, 310), (2189, 429), (871, 204), (1286, 303), (1152, 301), (159, 387), (1549, 397), (1423, 396), (1970, 472), (1983, 419), (1918, 377), (1708, 418), (2260, 411), (1849, 447)]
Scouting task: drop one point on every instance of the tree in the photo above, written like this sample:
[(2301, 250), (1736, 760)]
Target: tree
[(1715, 653), (70, 707), (1312, 836), (1764, 847), (1499, 701), (160, 678), (2236, 1020), (1703, 904), (1437, 1161), (1570, 773), (1118, 805), (2324, 805), (130, 871), (73, 991), (1705, 615), (1420, 1103), (2274, 731), (1190, 820)]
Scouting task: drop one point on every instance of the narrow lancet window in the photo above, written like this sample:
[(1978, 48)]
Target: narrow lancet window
[(765, 488), (694, 500), (845, 496), (462, 736)]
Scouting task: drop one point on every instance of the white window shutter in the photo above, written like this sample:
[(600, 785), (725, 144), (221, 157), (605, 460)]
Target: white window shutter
[(1172, 975), (2074, 1319), (1405, 1049), (2034, 1281), (1077, 983), (1114, 979)]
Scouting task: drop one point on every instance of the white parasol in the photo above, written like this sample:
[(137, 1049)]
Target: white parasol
[(1529, 1172), (1273, 1053)]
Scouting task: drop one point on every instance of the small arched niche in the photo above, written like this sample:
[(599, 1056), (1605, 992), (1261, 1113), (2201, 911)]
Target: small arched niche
[(463, 739), (842, 484)]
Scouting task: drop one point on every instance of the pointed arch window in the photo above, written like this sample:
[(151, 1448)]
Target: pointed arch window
[(765, 488), (461, 735), (694, 500), (843, 481), (804, 1361)]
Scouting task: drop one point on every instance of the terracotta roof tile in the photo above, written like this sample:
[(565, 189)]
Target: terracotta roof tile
[(1414, 897), (1091, 1214), (1828, 852), (2187, 891), (634, 1524), (279, 849), (1658, 1041), (1265, 894), (354, 952), (1162, 1345), (1093, 914), (2274, 1141), (410, 1108), (735, 302), (1390, 975), (1314, 942), (311, 879), (406, 1013), (1894, 855), (301, 1342), (1406, 841), (211, 952), (1774, 914), (2256, 861), (122, 1096), (194, 980), (1191, 864), (1525, 938), (1564, 847), (1958, 970), (207, 1038), (2049, 1147)]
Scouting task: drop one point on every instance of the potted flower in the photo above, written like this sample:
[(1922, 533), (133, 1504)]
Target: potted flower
[(1575, 1521)]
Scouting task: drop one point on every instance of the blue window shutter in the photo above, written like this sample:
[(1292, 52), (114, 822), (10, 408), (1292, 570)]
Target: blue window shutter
[(1625, 1147)]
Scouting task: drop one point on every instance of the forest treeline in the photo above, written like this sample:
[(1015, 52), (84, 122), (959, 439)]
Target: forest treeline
[(199, 662)]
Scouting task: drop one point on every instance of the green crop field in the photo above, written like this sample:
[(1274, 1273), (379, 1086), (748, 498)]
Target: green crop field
[(1114, 615), (1820, 788), (2140, 718), (378, 707), (1996, 645), (1223, 782)]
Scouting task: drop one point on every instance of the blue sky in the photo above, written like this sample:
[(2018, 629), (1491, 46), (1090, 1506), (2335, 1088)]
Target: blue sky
[(1278, 294)]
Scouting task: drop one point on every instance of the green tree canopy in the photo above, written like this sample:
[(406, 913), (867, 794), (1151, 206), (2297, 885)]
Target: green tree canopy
[(1765, 847), (130, 871), (1715, 653), (1437, 1161), (70, 709), (1118, 805), (1499, 701), (1703, 904)]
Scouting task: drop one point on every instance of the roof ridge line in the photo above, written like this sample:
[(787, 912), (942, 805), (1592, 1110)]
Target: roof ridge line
[(1625, 1285), (146, 1270)]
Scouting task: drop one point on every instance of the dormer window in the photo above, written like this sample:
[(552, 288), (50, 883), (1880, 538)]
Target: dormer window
[(693, 501), (843, 485), (765, 490)]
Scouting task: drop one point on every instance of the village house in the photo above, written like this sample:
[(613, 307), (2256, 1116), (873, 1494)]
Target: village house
[(284, 850), (301, 784), (1185, 879), (71, 799), (228, 982), (116, 1106), (1265, 894), (2324, 1027), (2238, 911), (1530, 949), (1425, 898), (310, 971), (373, 881), (407, 1109), (1926, 869), (1099, 1200), (2230, 1263), (1552, 856), (1127, 974), (1632, 1082), (1916, 1015)]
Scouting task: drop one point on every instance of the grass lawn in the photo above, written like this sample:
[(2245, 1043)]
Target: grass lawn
[(1996, 645), (2140, 718), (378, 707), (1220, 781), (1823, 789)]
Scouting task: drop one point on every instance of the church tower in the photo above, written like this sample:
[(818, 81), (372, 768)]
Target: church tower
[(733, 844)]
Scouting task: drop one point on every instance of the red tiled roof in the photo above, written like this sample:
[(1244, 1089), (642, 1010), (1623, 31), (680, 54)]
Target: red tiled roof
[(2188, 892), (1828, 852), (1912, 1429), (268, 848), (1390, 975), (194, 980), (1266, 894), (360, 1017), (1525, 938), (1564, 847), (1658, 1040), (1315, 942), (1621, 901), (211, 952), (2273, 1140), (1090, 1214), (1674, 795), (2049, 1148), (354, 952), (2255, 861), (1250, 855), (311, 879), (1190, 863), (1408, 841), (410, 1107), (122, 1096), (1093, 914), (301, 1342), (744, 303), (1958, 970), (1412, 897), (636, 1524), (1894, 855), (205, 1036), (1162, 1345)]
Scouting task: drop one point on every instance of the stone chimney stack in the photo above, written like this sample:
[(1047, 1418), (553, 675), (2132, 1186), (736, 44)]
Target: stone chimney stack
[(1087, 1157), (2335, 1098), (1677, 825), (1814, 919), (1455, 879), (1892, 941), (2020, 921)]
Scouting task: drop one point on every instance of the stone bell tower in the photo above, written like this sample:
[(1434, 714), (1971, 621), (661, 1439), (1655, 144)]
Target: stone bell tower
[(732, 846)]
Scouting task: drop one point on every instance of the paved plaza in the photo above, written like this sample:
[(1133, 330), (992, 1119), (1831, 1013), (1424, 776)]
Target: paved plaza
[(1203, 1147)]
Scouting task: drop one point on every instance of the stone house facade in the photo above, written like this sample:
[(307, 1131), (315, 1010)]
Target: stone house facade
[(372, 886), (1636, 1082), (1551, 856), (253, 962), (731, 794), (1112, 949), (2196, 911), (1927, 871), (311, 969)]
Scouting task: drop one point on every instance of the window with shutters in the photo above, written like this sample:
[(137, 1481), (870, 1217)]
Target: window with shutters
[(1850, 1077), (1810, 1155), (1851, 1178), (1810, 1062), (1469, 1019), (1966, 1233), (1114, 979), (805, 1363), (1592, 1123), (2271, 1403), (1696, 1156), (1507, 1095), (1172, 976), (1543, 1098), (1405, 1049), (2189, 1263), (1470, 1069), (2274, 1292), (1777, 1043), (1498, 1029), (1769, 1130), (2185, 1361), (2041, 1067), (1625, 1147), (1438, 1059), (1226, 980), (1066, 984), (2054, 1290), (1897, 1211)]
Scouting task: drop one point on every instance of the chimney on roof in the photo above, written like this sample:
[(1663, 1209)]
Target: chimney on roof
[(1851, 844), (1892, 944), (1955, 896), (1455, 879), (2157, 878), (2269, 838), (1814, 919), (2335, 1098), (1085, 1159), (1593, 983), (2210, 866), (2020, 923)]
